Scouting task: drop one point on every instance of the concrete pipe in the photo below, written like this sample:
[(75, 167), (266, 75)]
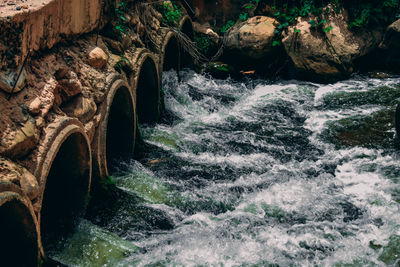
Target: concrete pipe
[(146, 84), (169, 52), (20, 239), (115, 136), (186, 27), (64, 174)]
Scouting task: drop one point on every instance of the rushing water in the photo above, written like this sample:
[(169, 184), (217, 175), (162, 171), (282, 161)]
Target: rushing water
[(255, 173)]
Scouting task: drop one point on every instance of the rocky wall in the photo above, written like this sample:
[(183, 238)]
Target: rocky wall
[(76, 110)]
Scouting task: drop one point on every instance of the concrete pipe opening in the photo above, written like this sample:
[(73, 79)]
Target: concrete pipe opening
[(171, 53), (19, 244), (120, 128), (66, 186), (115, 136), (148, 92), (186, 26)]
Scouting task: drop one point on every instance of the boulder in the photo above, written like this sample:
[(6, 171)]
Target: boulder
[(97, 58), (328, 54), (18, 175), (251, 40), (391, 45)]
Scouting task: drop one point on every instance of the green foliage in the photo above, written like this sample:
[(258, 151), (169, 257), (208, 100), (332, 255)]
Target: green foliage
[(120, 26), (243, 16), (107, 183), (203, 42), (171, 15), (366, 13), (227, 26), (287, 14)]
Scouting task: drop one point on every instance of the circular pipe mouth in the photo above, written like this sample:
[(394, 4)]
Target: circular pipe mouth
[(171, 54), (115, 137), (65, 176), (19, 244), (186, 27), (148, 100), (120, 136)]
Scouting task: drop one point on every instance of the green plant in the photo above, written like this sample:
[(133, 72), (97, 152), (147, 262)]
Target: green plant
[(107, 183), (120, 26), (203, 42), (171, 13), (243, 16), (227, 26), (370, 12)]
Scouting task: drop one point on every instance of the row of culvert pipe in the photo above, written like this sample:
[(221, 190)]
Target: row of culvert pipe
[(68, 162)]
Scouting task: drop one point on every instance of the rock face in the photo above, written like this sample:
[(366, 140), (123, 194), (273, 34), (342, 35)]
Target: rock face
[(327, 55), (391, 45), (97, 58), (252, 40)]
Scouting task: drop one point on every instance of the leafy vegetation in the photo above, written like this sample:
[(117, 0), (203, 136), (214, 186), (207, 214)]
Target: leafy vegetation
[(171, 13), (227, 26), (366, 13), (204, 43), (120, 26), (362, 13)]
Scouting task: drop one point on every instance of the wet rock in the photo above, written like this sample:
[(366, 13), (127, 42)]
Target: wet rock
[(252, 39), (80, 107), (379, 75), (21, 141), (8, 79), (97, 58), (391, 45), (327, 52), (219, 70), (11, 172)]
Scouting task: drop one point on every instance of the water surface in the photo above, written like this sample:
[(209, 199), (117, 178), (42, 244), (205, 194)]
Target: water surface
[(256, 174)]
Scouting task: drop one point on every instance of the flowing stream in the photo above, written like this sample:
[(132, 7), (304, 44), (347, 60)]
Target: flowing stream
[(256, 173)]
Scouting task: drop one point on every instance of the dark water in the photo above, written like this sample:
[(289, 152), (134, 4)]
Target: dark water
[(256, 174)]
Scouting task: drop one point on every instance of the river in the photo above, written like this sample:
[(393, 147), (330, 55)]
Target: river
[(255, 173)]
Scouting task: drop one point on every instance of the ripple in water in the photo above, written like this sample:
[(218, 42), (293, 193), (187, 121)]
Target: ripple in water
[(238, 174)]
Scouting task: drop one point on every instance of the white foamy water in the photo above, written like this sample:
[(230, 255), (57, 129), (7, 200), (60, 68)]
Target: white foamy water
[(264, 174)]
